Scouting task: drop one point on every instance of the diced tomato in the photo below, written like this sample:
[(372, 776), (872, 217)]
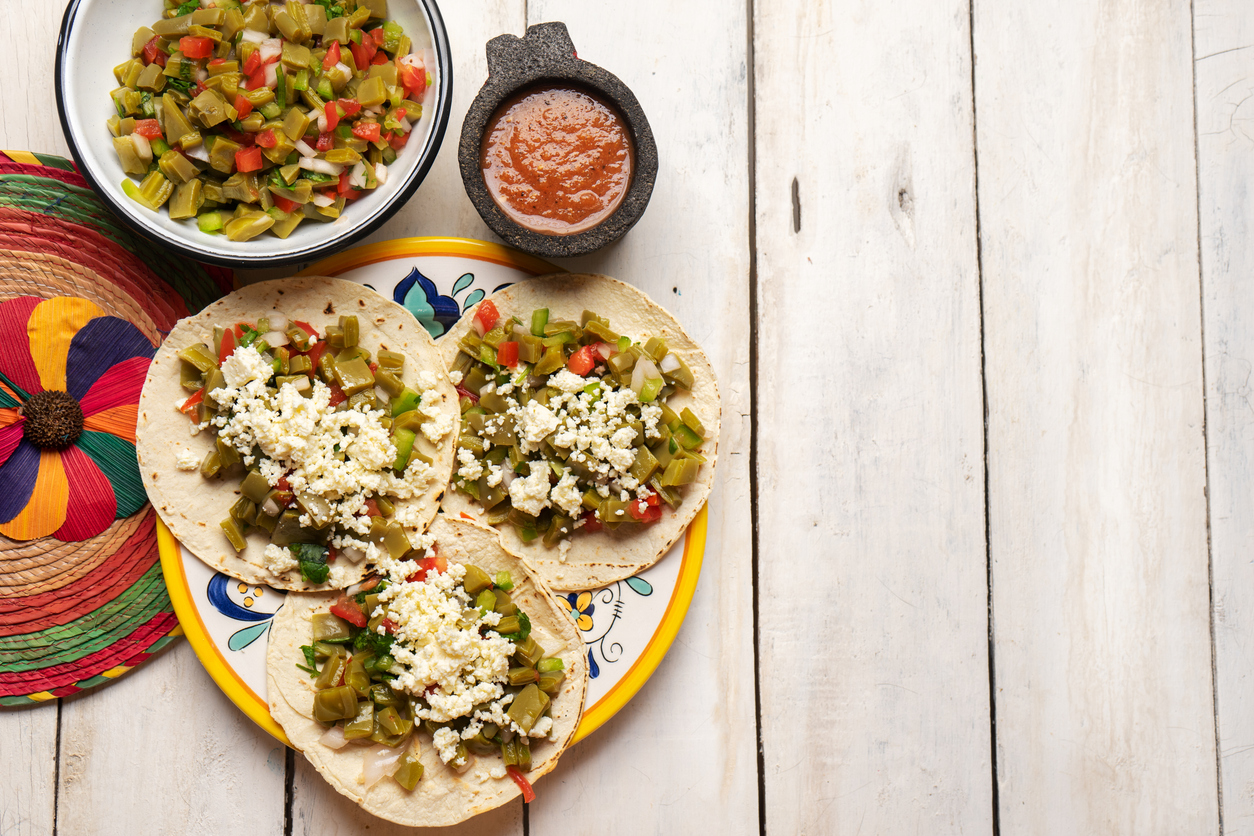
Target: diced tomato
[(372, 509), (590, 522), (235, 136), (378, 36), (466, 516), (351, 106), (286, 205), (582, 361), (266, 138), (324, 142), (642, 511), (253, 63), (507, 354), (243, 106), (363, 52), (306, 327), (655, 498), (282, 484), (437, 564), (486, 316), (193, 47), (412, 79), (379, 59), (315, 354), (256, 79), (388, 625), (198, 88), (333, 116), (216, 62), (228, 346), (349, 610), (398, 141), (333, 56), (351, 194), (466, 393), (248, 159), (369, 131), (148, 128), (332, 554), (337, 396), (528, 794), (152, 53), (189, 406)]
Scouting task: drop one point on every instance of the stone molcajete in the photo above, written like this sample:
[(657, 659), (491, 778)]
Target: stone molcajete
[(545, 59)]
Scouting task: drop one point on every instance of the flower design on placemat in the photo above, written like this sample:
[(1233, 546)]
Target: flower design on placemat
[(581, 608), (70, 379)]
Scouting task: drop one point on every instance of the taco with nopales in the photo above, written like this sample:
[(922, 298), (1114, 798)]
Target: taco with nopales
[(590, 426), (437, 690), (292, 427)]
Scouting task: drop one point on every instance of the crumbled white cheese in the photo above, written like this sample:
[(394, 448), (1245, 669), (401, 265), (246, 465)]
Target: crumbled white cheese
[(566, 495), (542, 727), (186, 460), (279, 559), (531, 494), (446, 741), (455, 377), (535, 421), (245, 364), (567, 381), (471, 468), (438, 642)]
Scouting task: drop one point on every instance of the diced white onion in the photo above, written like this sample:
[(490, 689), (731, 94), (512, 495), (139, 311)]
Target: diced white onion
[(270, 508), (278, 321), (381, 173), (507, 475), (272, 75), (202, 74), (606, 350), (305, 149), (197, 152), (252, 36), (373, 111), (344, 72), (381, 395), (357, 176), (406, 125), (321, 166), (644, 370), (334, 738), (670, 363), (320, 199), (522, 331), (378, 762), (275, 338), (352, 555), (142, 147), (271, 48), (413, 60)]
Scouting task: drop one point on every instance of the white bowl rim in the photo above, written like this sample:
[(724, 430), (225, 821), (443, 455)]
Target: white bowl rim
[(113, 199)]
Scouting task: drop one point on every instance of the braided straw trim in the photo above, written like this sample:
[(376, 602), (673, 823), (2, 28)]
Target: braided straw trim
[(45, 275), (28, 568)]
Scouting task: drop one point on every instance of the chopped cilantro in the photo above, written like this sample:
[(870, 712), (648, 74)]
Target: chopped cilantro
[(313, 561), (187, 8)]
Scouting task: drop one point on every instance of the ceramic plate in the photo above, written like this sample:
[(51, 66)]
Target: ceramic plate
[(628, 625)]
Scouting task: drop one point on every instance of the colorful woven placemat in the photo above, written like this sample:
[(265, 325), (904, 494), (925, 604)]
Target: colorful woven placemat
[(75, 610)]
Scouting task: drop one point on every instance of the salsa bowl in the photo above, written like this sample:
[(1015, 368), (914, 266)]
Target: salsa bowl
[(95, 37)]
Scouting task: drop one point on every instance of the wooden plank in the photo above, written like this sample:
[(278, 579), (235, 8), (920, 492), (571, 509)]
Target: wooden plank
[(1097, 513), (1223, 32), (680, 758), (872, 561), (28, 118), (28, 739), (164, 746)]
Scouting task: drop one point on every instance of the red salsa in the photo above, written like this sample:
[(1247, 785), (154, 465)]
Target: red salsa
[(557, 160)]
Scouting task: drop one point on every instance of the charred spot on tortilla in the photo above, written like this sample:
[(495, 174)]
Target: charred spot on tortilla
[(329, 309)]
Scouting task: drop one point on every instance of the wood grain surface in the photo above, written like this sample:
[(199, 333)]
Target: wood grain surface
[(1097, 472), (976, 282)]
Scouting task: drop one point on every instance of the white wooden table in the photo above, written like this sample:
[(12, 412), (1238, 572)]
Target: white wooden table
[(977, 282)]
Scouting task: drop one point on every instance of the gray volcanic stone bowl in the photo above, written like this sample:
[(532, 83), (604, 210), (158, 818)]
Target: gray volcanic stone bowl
[(546, 54)]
